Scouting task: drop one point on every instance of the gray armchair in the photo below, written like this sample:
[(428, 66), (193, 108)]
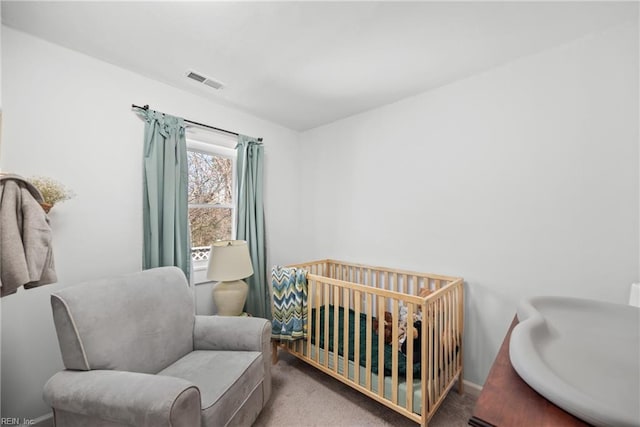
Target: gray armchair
[(136, 355)]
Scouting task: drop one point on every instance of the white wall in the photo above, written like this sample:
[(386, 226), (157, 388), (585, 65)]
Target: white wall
[(523, 180), (69, 117)]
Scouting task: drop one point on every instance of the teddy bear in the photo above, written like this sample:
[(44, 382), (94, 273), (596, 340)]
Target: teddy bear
[(387, 324), (413, 330)]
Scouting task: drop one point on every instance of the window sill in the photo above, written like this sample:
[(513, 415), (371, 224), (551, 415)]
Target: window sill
[(200, 273)]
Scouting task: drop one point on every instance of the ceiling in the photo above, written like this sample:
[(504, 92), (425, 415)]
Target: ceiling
[(305, 64)]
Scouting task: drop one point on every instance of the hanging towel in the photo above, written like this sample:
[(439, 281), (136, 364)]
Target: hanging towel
[(289, 303)]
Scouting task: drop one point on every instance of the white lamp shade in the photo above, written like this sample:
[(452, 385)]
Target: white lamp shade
[(229, 260)]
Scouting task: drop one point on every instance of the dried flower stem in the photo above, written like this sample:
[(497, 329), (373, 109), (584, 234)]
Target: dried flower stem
[(52, 190)]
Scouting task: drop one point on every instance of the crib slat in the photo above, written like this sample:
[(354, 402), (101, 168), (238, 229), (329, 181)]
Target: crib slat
[(317, 323), (432, 352), (345, 334), (326, 325), (338, 276), (410, 343), (456, 338), (363, 295), (438, 345), (450, 335), (445, 343), (426, 359), (310, 302), (445, 338), (381, 346), (459, 335), (372, 276), (356, 342), (454, 332), (336, 325), (394, 357), (369, 309)]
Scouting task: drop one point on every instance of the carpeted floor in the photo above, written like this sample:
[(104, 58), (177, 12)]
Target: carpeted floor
[(304, 396)]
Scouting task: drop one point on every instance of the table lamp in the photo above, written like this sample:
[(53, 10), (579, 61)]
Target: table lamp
[(229, 263)]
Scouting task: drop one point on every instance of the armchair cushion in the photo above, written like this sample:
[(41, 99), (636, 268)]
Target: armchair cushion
[(125, 398), (226, 379)]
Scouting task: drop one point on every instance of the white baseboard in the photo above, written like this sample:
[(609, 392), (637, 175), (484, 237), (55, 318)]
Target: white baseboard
[(472, 388)]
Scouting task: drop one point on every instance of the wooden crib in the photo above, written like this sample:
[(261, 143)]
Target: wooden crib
[(336, 288)]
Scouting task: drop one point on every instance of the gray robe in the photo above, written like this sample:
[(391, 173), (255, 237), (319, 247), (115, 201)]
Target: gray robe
[(26, 253)]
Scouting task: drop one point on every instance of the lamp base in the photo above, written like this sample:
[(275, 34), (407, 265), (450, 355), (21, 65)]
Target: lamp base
[(230, 297)]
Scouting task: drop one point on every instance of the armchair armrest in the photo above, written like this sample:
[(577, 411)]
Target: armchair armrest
[(231, 333), (129, 398), (236, 334)]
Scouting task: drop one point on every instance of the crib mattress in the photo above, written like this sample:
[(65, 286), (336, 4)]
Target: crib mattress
[(402, 385), (373, 354)]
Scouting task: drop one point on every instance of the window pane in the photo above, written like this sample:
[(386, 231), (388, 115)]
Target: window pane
[(210, 179), (209, 225)]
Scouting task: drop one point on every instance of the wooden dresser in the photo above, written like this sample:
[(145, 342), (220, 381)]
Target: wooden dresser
[(507, 401)]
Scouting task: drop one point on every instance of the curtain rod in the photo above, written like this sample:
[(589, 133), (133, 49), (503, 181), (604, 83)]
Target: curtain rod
[(146, 107)]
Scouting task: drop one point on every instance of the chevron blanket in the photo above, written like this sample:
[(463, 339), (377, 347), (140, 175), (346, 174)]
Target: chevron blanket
[(289, 303)]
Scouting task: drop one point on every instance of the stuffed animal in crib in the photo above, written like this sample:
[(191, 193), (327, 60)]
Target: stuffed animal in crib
[(387, 324), (415, 330)]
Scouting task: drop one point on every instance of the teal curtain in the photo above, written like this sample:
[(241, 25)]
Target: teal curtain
[(250, 221), (165, 208)]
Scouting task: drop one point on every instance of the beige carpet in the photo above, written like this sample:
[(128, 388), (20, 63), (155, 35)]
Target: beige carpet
[(304, 396)]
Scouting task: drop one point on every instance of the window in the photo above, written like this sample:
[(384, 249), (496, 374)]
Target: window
[(210, 195)]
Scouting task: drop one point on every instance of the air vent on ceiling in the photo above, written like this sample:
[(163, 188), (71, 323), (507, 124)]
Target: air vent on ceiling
[(204, 80)]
